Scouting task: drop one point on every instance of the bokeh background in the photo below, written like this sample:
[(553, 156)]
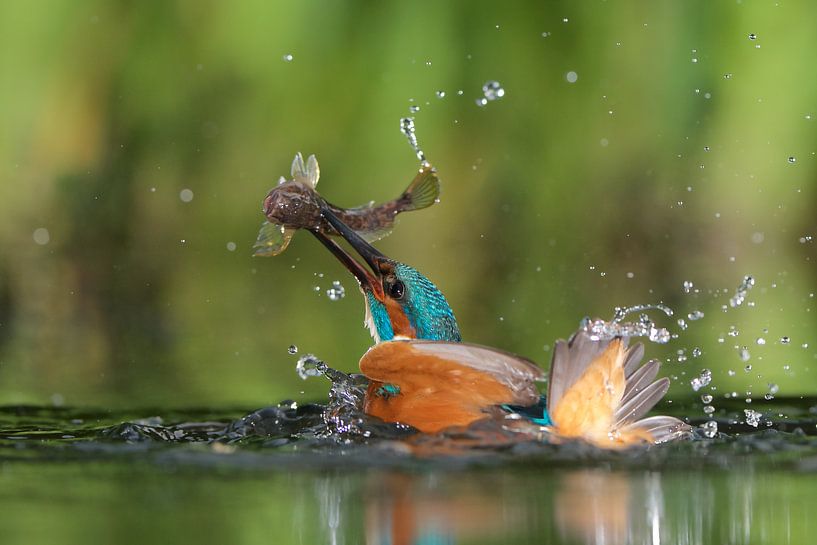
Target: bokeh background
[(637, 146)]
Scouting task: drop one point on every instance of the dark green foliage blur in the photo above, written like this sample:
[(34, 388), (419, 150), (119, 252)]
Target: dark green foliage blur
[(666, 161)]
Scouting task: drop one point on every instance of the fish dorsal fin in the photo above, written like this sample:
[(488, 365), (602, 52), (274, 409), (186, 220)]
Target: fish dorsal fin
[(305, 173), (272, 239), (423, 191), (313, 171)]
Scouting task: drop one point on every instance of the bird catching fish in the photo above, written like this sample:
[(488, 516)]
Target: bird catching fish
[(421, 373)]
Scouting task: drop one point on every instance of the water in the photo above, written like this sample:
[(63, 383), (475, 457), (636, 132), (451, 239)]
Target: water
[(283, 475), (409, 131)]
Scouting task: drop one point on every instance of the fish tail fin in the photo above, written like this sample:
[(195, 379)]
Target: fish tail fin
[(423, 191), (599, 393)]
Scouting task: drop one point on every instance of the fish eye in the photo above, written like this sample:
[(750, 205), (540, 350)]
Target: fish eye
[(396, 289)]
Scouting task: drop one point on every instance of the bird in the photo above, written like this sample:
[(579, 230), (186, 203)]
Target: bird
[(422, 374)]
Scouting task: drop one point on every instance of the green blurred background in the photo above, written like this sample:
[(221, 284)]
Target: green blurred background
[(667, 160)]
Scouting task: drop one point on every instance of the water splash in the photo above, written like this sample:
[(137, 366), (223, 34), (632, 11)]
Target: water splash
[(740, 294), (701, 380), (603, 330), (336, 292), (710, 429), (752, 417), (409, 131), (492, 90)]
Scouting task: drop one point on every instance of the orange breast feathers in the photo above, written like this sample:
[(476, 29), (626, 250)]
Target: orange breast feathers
[(444, 384)]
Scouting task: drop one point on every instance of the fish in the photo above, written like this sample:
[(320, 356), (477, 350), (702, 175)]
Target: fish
[(295, 204)]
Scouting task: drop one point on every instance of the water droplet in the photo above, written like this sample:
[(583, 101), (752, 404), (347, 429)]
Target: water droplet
[(41, 236), (740, 294), (710, 429), (706, 148), (709, 409), (695, 315), (731, 372), (414, 109), (231, 246), (186, 195), (682, 324), (761, 341), (694, 60), (747, 368), (706, 398), (745, 355), (571, 77), (753, 36), (701, 380), (773, 388), (292, 349), (309, 366), (688, 285), (336, 292), (481, 101), (440, 94), (792, 159), (696, 352), (408, 130), (784, 340), (564, 20), (727, 76), (493, 90), (805, 238), (752, 417), (287, 58)]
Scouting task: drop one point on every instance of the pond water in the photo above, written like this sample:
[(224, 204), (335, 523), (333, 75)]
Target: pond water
[(286, 474)]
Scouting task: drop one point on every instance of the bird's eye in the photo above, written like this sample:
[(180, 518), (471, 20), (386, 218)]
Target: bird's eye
[(396, 289)]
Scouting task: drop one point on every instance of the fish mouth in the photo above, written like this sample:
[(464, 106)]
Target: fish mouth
[(379, 263)]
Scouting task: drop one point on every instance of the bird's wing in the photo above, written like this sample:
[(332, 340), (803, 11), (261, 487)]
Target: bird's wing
[(442, 384), (598, 390)]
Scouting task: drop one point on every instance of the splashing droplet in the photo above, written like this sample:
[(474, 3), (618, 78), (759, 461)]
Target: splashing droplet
[(740, 294), (408, 129), (710, 429), (701, 380), (309, 366), (752, 417), (336, 292), (492, 90)]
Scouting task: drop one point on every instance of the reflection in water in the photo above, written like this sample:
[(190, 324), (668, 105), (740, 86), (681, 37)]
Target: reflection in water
[(593, 506)]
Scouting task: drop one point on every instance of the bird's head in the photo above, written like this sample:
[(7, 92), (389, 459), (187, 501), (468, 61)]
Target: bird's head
[(401, 303)]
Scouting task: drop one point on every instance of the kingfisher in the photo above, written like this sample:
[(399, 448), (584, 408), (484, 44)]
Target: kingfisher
[(422, 374)]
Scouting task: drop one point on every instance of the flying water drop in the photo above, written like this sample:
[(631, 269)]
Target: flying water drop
[(408, 130), (701, 380), (336, 292), (309, 366), (740, 294)]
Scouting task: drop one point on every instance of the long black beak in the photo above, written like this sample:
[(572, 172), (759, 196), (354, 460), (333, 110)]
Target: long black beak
[(368, 252)]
